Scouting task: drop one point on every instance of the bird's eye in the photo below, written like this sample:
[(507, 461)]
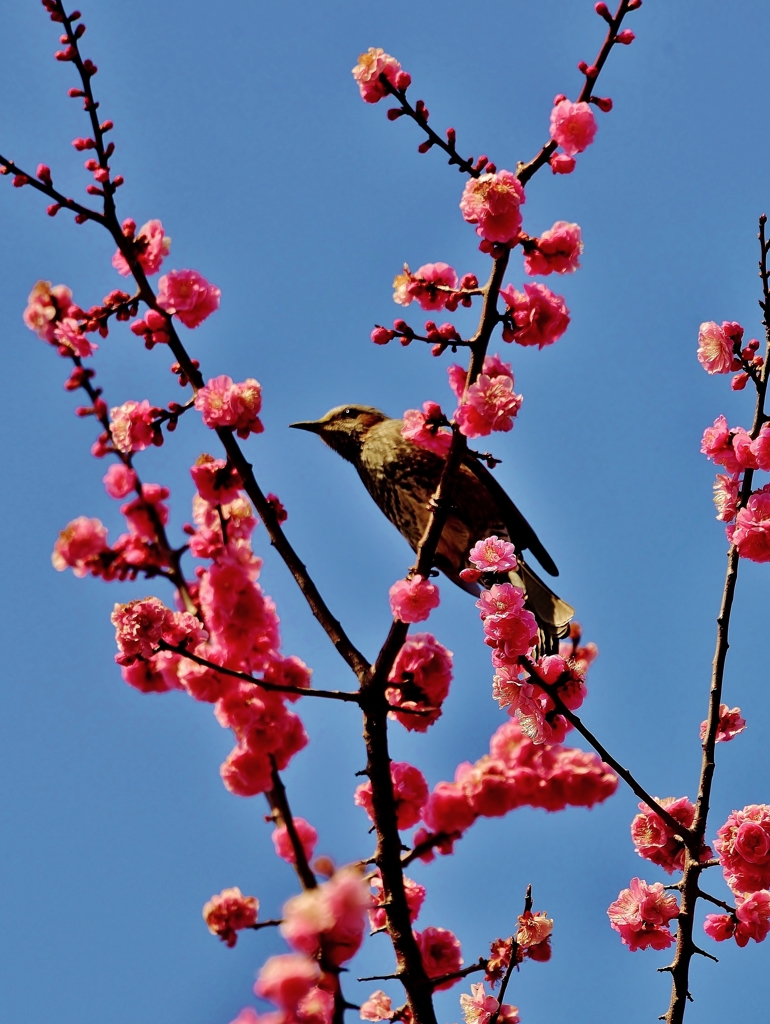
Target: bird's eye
[(348, 412)]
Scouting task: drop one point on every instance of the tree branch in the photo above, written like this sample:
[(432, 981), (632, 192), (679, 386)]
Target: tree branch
[(298, 691), (552, 689), (685, 947), (525, 171)]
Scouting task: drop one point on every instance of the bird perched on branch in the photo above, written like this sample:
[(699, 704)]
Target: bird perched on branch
[(402, 477)]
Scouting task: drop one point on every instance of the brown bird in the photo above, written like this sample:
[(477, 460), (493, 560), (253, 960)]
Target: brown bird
[(402, 477)]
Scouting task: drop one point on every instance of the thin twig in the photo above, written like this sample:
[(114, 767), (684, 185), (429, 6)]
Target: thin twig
[(281, 815), (297, 691), (552, 689), (525, 171)]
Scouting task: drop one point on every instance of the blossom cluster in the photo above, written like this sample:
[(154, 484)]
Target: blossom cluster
[(233, 624), (523, 683), (517, 772), (746, 513)]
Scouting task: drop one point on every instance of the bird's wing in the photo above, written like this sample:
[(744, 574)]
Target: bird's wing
[(521, 533), (551, 612)]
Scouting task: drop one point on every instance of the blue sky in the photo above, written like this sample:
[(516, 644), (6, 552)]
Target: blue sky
[(239, 126)]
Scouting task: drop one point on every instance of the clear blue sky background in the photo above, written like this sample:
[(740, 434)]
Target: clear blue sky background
[(239, 125)]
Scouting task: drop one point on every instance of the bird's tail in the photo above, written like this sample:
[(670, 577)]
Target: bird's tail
[(553, 615)]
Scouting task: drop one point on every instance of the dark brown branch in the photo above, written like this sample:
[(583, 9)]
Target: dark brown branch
[(552, 689), (685, 946), (281, 815), (299, 691), (428, 844), (481, 965), (514, 956), (717, 903), (387, 857), (525, 171), (266, 924), (465, 166), (52, 193), (172, 555)]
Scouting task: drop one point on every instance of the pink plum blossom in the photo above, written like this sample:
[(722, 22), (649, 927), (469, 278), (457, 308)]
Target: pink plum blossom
[(508, 625), (556, 251), (131, 426), (539, 317), (239, 615), (726, 493), (188, 296), (413, 600), (46, 306), (371, 65), (119, 480), (229, 912), (719, 927), (751, 533), (377, 1007), (423, 670), (423, 428), (518, 772), (410, 793), (493, 201), (306, 834), (207, 541), (487, 787), (157, 674), (656, 841), (478, 1007), (448, 809), (286, 979), (743, 448), (332, 917), (753, 915), (80, 546), (715, 348), (490, 403), (246, 771), (225, 404), (731, 724), (420, 286), (750, 921), (641, 914), (573, 126), (743, 844), (533, 928), (145, 512), (493, 555), (441, 953), (216, 480), (317, 1007), (141, 625), (70, 339), (415, 897), (151, 245), (760, 448), (716, 445), (561, 163)]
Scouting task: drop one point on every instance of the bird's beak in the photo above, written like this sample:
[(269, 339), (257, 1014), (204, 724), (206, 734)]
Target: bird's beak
[(314, 426)]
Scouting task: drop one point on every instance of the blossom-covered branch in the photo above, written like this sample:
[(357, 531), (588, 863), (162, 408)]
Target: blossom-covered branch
[(690, 888)]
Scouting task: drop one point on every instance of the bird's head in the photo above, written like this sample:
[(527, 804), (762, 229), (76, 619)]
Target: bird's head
[(344, 428)]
